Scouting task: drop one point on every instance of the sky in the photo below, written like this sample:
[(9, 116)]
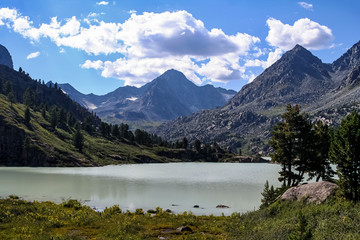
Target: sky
[(98, 46)]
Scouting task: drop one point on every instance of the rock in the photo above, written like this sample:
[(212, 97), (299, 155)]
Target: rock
[(5, 57), (168, 211), (313, 192), (184, 229), (196, 206), (222, 206)]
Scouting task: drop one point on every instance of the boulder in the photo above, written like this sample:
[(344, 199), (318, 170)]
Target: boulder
[(222, 206), (184, 229), (316, 192)]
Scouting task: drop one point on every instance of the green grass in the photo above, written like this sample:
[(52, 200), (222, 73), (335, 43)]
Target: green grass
[(335, 219)]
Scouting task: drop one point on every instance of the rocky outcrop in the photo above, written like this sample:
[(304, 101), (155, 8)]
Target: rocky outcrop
[(5, 57), (316, 192)]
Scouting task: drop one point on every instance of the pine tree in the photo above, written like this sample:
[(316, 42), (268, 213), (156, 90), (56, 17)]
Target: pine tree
[(269, 195), (11, 97), (185, 143), (29, 97), (345, 152), (43, 112), (197, 145), (292, 141), (27, 116), (115, 131), (78, 140), (53, 117), (321, 168)]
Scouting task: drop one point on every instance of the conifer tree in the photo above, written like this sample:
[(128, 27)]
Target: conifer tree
[(29, 97), (197, 145), (27, 116), (78, 140), (292, 142), (345, 153), (11, 97), (321, 168)]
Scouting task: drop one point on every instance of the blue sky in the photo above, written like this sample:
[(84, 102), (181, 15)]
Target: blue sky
[(97, 46)]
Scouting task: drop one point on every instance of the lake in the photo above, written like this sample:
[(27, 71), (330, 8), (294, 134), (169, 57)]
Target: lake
[(175, 186)]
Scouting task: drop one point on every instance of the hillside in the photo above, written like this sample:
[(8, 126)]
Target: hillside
[(326, 91), (165, 98)]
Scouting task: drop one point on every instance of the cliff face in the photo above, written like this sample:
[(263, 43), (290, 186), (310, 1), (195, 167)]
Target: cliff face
[(5, 57)]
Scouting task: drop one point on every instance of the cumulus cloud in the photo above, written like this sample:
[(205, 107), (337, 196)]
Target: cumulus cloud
[(104, 3), (33, 55), (92, 64), (305, 32), (307, 6), (146, 44), (273, 56)]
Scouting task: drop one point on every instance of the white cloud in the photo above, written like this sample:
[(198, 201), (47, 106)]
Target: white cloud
[(7, 14), (178, 37), (138, 71), (305, 32), (92, 64), (273, 57), (132, 11), (33, 55), (104, 3), (147, 45), (307, 6)]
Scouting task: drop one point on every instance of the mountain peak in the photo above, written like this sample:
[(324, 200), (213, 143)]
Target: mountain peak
[(172, 73), (296, 77), (299, 52), (5, 57), (349, 59), (172, 77)]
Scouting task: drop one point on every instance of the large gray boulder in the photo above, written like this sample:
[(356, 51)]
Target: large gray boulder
[(316, 192), (5, 57)]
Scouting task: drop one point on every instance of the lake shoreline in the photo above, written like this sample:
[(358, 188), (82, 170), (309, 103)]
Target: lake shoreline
[(238, 186)]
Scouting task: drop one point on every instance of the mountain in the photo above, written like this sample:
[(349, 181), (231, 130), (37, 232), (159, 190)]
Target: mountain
[(40, 125), (168, 96), (5, 57), (297, 77), (327, 91)]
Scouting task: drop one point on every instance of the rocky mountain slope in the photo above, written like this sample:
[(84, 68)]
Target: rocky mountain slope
[(327, 91), (5, 57), (169, 96)]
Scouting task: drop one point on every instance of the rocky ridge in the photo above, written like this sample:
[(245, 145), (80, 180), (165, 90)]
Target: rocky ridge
[(165, 98), (327, 91)]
